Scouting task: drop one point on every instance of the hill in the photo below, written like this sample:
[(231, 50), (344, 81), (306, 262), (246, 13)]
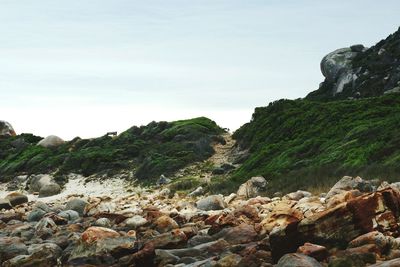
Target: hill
[(347, 127), (146, 151)]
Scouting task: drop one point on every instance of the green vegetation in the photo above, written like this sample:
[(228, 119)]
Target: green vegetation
[(303, 144), (159, 147)]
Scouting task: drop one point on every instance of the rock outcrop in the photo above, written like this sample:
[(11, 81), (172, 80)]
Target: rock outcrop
[(51, 141), (357, 71), (6, 130)]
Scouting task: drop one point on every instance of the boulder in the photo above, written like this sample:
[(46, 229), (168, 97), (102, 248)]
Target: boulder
[(252, 187), (348, 183), (299, 194), (51, 141), (44, 184), (213, 202), (96, 242), (46, 254), (11, 247), (49, 190), (103, 222), (320, 253), (135, 222), (6, 130), (5, 204), (45, 228), (35, 215), (341, 224), (198, 192), (69, 215), (165, 224), (77, 205), (17, 198), (297, 260)]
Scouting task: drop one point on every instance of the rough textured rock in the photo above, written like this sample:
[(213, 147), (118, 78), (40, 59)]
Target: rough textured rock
[(17, 198), (252, 187), (40, 255), (214, 202), (49, 190), (135, 221), (356, 71), (5, 204), (6, 130), (51, 141), (339, 225), (77, 205), (317, 252), (297, 260), (11, 247)]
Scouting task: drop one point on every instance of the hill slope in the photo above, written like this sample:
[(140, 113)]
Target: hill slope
[(299, 143), (147, 151), (353, 131)]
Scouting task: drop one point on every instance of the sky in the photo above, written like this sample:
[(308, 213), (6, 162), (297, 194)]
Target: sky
[(87, 67)]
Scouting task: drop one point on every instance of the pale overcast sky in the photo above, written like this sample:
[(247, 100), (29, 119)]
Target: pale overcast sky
[(85, 67)]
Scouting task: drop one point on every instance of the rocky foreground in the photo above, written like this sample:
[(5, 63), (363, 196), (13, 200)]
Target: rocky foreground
[(355, 224)]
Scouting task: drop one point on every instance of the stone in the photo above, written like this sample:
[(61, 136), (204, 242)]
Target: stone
[(46, 254), (299, 194), (163, 180), (230, 260), (16, 198), (94, 233), (36, 182), (51, 141), (359, 256), (376, 238), (241, 234), (69, 215), (77, 205), (6, 130), (197, 192), (339, 225), (5, 204), (297, 260), (390, 263), (49, 190), (103, 222), (11, 247), (45, 228), (348, 183), (320, 253), (165, 224), (213, 202), (96, 242), (135, 222), (252, 187), (35, 215)]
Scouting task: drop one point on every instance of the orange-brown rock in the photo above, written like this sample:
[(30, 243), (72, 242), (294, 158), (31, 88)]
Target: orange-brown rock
[(320, 253), (95, 233)]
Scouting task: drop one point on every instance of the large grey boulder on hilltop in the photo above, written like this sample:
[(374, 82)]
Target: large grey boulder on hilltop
[(51, 141), (6, 130), (337, 67)]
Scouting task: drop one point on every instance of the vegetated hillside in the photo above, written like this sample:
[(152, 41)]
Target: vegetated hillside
[(302, 143), (148, 151), (360, 72)]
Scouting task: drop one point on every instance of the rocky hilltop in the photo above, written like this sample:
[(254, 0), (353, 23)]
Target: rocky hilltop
[(143, 152), (358, 71)]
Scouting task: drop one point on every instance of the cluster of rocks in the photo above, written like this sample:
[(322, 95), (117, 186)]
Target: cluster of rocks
[(355, 224)]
